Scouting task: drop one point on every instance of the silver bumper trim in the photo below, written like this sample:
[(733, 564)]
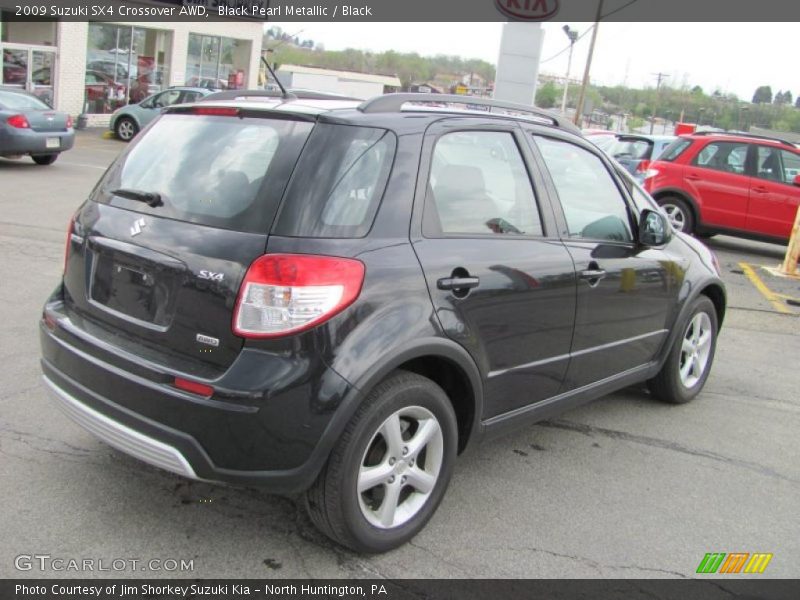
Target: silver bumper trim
[(120, 436)]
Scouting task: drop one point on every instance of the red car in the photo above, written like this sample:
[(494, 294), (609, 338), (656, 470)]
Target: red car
[(739, 184)]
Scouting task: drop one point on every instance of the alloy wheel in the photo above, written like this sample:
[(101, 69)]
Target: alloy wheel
[(675, 215), (126, 130), (695, 350), (400, 467)]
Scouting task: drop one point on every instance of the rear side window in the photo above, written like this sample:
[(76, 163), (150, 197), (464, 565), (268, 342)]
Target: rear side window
[(221, 171), (338, 184), (674, 150), (723, 156)]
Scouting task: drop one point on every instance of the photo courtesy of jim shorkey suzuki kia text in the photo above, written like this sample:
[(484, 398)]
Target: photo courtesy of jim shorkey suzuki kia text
[(193, 590)]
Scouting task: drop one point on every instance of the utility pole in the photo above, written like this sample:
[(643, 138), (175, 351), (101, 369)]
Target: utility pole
[(585, 84), (573, 37), (659, 77)]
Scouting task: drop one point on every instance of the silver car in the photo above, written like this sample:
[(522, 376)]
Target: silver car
[(29, 127), (129, 120)]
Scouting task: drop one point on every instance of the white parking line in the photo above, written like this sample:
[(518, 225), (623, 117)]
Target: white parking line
[(72, 164)]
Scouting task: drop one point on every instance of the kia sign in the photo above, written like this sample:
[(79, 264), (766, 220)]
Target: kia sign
[(528, 10)]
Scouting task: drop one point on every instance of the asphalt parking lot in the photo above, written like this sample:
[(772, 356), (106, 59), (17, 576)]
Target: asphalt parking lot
[(623, 487)]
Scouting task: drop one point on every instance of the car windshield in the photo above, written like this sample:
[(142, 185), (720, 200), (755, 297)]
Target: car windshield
[(16, 101)]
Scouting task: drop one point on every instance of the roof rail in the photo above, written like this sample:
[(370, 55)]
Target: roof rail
[(748, 135), (395, 102), (298, 94)]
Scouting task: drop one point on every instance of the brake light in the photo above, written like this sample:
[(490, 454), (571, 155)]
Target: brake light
[(68, 245), (187, 385), (287, 293), (69, 121), (643, 166), (216, 111), (18, 122)]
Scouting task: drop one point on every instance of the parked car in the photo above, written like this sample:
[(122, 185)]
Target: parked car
[(337, 298), (29, 127), (128, 120), (209, 83), (635, 151), (738, 184)]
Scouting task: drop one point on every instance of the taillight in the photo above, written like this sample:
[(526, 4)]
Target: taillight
[(18, 121), (650, 173), (287, 293), (68, 245), (69, 121), (643, 166)]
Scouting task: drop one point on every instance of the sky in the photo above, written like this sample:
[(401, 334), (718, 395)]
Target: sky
[(731, 57)]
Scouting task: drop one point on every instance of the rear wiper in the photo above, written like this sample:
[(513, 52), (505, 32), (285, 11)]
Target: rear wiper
[(150, 198)]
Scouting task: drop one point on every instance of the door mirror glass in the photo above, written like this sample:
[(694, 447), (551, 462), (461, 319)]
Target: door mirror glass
[(653, 228)]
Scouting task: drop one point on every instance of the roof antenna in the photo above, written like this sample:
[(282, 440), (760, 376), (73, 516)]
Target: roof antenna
[(284, 94)]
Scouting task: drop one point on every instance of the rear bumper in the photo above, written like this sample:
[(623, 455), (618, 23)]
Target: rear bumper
[(120, 436), (278, 438), (26, 141)]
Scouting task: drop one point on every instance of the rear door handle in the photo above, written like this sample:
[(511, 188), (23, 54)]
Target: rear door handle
[(458, 283), (593, 274), (760, 190), (692, 177)]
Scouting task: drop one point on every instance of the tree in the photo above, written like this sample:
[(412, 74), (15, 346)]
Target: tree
[(763, 95), (787, 97), (546, 95), (797, 102)]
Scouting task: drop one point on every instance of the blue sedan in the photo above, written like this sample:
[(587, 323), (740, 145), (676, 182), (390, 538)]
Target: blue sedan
[(28, 127)]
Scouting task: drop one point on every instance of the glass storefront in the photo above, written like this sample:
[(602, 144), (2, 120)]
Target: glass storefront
[(217, 63), (124, 65), (27, 56)]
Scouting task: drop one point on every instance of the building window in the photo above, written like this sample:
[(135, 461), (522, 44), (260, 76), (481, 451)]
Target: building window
[(124, 65), (217, 63)]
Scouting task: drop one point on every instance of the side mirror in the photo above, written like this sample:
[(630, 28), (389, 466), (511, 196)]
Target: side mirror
[(654, 229), (796, 180)]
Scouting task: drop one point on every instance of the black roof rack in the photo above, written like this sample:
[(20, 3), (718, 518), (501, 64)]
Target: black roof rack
[(747, 135), (395, 102), (298, 94)]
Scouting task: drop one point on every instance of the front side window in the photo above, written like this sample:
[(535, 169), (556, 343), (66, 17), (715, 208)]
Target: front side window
[(479, 185), (729, 157), (778, 165), (592, 203)]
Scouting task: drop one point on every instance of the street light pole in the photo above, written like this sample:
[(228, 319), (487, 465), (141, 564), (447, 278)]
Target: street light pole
[(573, 37), (585, 84), (660, 76)]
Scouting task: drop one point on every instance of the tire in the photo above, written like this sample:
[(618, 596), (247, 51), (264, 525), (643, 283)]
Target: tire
[(679, 213), (126, 129), (674, 383), (44, 159), (360, 520)]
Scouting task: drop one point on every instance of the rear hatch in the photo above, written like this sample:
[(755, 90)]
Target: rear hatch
[(157, 255)]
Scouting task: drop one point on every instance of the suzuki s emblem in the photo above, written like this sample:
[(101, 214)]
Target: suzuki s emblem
[(137, 227)]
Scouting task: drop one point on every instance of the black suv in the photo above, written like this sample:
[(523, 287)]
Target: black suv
[(336, 298)]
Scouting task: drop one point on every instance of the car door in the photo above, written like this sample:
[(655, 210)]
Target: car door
[(501, 281), (625, 292), (773, 196), (718, 179)]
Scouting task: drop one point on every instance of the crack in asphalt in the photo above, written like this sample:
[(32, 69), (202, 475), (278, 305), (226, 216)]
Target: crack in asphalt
[(590, 430)]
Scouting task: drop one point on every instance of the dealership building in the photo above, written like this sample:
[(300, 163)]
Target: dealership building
[(94, 68)]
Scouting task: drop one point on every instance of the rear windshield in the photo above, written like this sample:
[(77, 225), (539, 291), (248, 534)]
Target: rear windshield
[(338, 184), (635, 148), (19, 101), (222, 171), (674, 150)]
